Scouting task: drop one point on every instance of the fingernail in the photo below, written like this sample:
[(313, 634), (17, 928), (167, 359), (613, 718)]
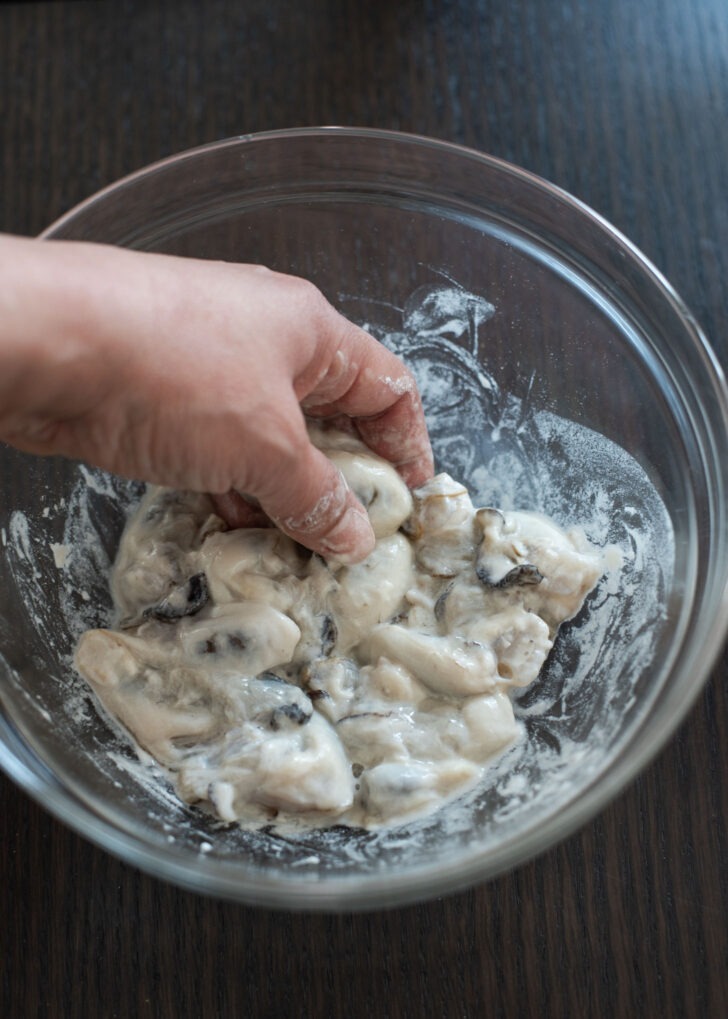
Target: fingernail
[(352, 538)]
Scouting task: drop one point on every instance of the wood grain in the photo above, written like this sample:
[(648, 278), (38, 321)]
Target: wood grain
[(622, 104)]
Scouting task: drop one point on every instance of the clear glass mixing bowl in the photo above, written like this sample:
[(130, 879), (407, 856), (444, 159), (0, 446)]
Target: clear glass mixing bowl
[(559, 371)]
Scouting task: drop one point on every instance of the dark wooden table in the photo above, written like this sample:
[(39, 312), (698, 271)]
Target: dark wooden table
[(623, 103)]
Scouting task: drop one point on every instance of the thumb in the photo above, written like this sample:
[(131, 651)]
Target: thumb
[(308, 498)]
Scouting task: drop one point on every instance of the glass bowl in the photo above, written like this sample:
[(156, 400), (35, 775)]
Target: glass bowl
[(560, 372)]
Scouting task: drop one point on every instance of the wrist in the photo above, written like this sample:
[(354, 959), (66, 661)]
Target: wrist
[(60, 322)]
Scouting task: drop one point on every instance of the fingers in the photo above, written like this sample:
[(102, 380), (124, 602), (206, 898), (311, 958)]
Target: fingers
[(336, 525), (399, 434), (303, 493), (366, 382)]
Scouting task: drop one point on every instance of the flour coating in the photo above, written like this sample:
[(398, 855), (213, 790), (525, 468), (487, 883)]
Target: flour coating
[(267, 681)]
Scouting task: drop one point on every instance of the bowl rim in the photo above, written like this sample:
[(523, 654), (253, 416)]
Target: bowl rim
[(377, 890)]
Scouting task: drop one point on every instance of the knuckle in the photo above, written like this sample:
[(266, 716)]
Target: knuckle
[(305, 294), (314, 309)]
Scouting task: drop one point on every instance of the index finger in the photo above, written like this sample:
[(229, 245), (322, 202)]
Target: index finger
[(369, 384)]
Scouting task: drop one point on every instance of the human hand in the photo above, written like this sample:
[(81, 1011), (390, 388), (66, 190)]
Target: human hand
[(196, 374)]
